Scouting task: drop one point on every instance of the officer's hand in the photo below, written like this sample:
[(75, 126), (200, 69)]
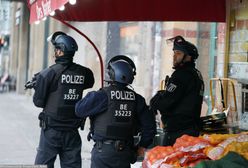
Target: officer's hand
[(141, 151), (89, 136)]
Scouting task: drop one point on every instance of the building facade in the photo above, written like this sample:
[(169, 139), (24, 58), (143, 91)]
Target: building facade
[(144, 42)]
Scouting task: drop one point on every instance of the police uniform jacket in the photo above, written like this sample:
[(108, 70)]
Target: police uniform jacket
[(57, 90), (180, 104), (112, 108)]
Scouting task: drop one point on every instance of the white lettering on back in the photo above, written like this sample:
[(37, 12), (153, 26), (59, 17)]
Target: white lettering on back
[(122, 95), (72, 79)]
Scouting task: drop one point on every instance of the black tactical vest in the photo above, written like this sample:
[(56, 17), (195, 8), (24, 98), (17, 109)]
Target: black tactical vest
[(60, 105), (118, 121), (186, 113)]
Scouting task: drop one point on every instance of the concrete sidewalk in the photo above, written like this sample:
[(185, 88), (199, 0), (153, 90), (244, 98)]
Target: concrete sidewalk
[(19, 130)]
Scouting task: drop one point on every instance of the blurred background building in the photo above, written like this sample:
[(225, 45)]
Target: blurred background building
[(222, 47)]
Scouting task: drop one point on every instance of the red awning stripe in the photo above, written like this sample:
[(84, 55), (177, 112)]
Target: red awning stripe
[(145, 10), (134, 10)]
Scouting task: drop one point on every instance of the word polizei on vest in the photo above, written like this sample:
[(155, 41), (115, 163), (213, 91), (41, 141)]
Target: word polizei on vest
[(122, 95), (72, 79)]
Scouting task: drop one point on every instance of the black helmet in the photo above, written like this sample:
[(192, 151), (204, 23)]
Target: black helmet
[(121, 69), (179, 43), (65, 43)]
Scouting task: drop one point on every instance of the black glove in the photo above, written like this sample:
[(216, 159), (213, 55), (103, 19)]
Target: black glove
[(89, 136), (31, 84), (155, 99), (82, 123)]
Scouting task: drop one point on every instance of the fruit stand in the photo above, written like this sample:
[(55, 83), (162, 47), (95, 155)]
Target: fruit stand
[(221, 136), (189, 151)]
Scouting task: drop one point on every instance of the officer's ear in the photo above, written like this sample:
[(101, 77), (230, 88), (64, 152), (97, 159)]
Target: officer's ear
[(60, 52), (188, 58)]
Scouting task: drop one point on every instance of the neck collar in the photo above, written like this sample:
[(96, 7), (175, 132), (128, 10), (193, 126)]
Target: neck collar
[(64, 60)]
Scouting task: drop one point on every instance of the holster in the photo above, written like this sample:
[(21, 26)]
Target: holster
[(42, 118)]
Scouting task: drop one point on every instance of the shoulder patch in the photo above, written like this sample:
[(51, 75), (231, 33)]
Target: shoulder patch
[(171, 88)]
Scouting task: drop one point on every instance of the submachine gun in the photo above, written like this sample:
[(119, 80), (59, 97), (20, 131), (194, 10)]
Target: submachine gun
[(31, 83), (158, 140), (164, 83)]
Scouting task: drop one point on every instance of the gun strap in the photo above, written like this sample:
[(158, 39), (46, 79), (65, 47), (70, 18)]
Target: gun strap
[(59, 70)]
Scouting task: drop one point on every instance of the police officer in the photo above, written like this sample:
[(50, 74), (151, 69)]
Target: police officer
[(117, 113), (180, 104), (57, 90)]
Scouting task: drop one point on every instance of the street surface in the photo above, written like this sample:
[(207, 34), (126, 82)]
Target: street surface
[(19, 130)]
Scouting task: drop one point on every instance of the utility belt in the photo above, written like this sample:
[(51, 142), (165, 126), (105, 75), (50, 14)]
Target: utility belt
[(119, 145), (47, 122)]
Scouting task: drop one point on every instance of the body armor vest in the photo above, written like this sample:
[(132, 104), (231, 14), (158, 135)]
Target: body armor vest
[(60, 104), (189, 108), (117, 122)]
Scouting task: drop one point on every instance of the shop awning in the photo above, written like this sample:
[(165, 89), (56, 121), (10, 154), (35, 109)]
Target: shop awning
[(128, 10), (131, 10)]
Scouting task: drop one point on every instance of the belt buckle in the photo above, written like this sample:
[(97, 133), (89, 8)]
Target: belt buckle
[(119, 145), (108, 142)]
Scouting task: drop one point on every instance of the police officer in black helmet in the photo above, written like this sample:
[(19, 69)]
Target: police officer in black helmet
[(117, 113), (180, 104), (57, 90)]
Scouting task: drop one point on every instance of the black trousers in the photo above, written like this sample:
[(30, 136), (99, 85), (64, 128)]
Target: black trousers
[(66, 144), (107, 156), (171, 136)]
